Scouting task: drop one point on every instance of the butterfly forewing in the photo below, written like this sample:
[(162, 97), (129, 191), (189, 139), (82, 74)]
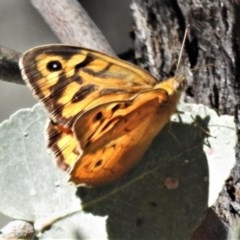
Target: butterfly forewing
[(104, 121), (70, 80)]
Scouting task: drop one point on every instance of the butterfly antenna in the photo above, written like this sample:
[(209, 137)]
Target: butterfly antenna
[(182, 47)]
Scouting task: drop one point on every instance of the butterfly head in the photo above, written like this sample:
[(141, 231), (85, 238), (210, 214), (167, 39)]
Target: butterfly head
[(174, 85)]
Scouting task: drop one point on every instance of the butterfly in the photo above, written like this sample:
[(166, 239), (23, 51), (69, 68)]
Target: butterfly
[(103, 112)]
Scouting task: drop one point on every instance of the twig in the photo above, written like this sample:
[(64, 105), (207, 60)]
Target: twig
[(71, 24), (9, 70)]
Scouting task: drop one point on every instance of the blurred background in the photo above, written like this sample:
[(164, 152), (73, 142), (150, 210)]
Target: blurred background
[(21, 27)]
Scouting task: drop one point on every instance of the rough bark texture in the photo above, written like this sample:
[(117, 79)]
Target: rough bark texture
[(212, 46), (212, 51)]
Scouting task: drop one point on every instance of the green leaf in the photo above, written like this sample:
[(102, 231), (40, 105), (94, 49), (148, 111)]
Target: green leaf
[(164, 196), (32, 188), (220, 146)]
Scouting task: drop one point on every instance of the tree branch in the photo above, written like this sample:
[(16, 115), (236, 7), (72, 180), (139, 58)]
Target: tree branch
[(72, 25), (70, 22), (9, 70)]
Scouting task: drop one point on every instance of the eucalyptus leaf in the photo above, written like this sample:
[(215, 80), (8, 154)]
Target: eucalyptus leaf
[(164, 196), (31, 186)]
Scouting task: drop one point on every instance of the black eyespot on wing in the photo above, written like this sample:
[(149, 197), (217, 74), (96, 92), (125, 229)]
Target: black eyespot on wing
[(115, 108), (88, 142), (114, 146), (98, 163), (127, 104), (54, 66), (98, 116)]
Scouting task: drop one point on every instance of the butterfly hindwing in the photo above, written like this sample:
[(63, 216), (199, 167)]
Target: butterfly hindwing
[(121, 139)]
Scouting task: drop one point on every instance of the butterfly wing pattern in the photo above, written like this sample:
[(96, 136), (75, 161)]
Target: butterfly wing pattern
[(103, 112)]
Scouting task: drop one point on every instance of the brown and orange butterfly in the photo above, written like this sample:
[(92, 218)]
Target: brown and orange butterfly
[(104, 112)]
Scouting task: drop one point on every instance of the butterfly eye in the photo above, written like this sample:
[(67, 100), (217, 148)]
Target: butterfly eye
[(54, 66)]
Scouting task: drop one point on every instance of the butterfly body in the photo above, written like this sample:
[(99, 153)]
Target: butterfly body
[(103, 112)]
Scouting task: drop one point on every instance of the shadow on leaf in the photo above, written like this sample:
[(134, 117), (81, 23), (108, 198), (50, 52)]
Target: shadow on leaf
[(165, 195)]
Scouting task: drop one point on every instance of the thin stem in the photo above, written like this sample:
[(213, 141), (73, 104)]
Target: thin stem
[(182, 47)]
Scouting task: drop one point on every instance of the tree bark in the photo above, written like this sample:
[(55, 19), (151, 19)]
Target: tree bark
[(211, 59)]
